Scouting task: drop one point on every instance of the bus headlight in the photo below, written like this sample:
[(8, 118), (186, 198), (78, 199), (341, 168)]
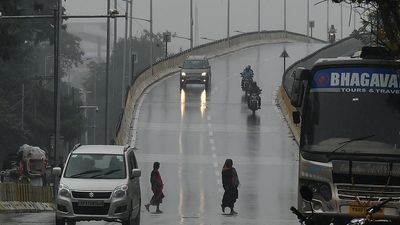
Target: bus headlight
[(325, 192), (319, 188), (183, 74), (203, 74)]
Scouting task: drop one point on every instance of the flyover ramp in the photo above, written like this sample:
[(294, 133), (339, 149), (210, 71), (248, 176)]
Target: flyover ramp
[(126, 128)]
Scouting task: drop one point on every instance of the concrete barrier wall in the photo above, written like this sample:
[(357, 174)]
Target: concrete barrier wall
[(171, 65)]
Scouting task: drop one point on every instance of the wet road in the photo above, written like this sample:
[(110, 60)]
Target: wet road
[(191, 133)]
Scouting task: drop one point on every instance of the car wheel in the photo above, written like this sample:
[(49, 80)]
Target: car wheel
[(60, 221)]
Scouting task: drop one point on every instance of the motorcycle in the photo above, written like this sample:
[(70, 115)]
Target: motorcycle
[(332, 37), (368, 220), (307, 195), (253, 102), (246, 82)]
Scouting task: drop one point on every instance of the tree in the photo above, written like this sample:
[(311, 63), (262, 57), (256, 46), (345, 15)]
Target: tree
[(381, 18), (25, 47)]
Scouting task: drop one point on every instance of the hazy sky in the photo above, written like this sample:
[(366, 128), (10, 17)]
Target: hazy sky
[(173, 15)]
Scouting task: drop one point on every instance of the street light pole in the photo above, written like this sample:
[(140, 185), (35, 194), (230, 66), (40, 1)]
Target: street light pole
[(227, 27), (341, 20), (107, 75), (151, 36), (327, 19), (131, 63), (191, 24), (308, 18), (124, 69), (57, 26), (284, 15), (259, 16)]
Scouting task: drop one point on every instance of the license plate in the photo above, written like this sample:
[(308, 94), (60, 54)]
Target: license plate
[(91, 203), (360, 211)]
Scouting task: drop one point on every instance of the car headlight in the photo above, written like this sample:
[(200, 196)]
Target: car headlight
[(204, 74), (183, 74), (120, 191), (63, 190)]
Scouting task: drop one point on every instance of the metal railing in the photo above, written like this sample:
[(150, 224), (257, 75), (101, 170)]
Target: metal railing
[(25, 193)]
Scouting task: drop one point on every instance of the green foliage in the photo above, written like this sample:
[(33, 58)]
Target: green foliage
[(381, 19), (25, 49)]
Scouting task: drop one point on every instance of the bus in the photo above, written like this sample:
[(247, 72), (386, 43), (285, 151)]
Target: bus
[(345, 115)]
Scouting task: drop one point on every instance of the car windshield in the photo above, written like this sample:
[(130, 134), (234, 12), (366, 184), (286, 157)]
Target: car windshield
[(195, 64), (96, 166), (335, 119)]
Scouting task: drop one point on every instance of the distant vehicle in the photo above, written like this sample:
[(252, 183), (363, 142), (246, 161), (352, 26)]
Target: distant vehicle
[(347, 112), (99, 182), (253, 102), (195, 69)]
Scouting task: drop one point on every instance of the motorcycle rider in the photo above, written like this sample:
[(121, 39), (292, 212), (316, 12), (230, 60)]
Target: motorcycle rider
[(257, 90), (247, 73), (332, 34)]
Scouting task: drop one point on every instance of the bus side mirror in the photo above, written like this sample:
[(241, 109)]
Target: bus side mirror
[(296, 117), (296, 96), (306, 193)]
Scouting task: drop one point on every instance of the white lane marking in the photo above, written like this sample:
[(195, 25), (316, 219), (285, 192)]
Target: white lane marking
[(217, 173), (213, 148), (212, 141), (219, 181), (208, 117), (221, 190), (210, 133), (214, 155), (209, 126)]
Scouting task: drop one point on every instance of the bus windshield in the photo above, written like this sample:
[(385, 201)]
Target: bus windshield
[(336, 115)]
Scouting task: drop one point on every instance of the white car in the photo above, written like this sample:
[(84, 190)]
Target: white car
[(99, 182)]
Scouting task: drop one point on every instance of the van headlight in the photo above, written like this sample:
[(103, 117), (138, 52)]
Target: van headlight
[(183, 74), (120, 191), (203, 74), (63, 190)]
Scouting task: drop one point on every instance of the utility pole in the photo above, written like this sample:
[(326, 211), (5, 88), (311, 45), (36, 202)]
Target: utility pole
[(308, 18), (124, 66), (259, 17), (151, 36), (341, 20), (130, 62), (191, 24), (227, 27), (22, 106), (57, 28), (107, 75), (284, 15)]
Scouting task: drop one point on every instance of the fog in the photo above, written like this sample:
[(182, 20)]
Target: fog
[(210, 17)]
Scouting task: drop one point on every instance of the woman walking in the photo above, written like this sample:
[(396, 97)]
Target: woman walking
[(157, 187), (230, 182)]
